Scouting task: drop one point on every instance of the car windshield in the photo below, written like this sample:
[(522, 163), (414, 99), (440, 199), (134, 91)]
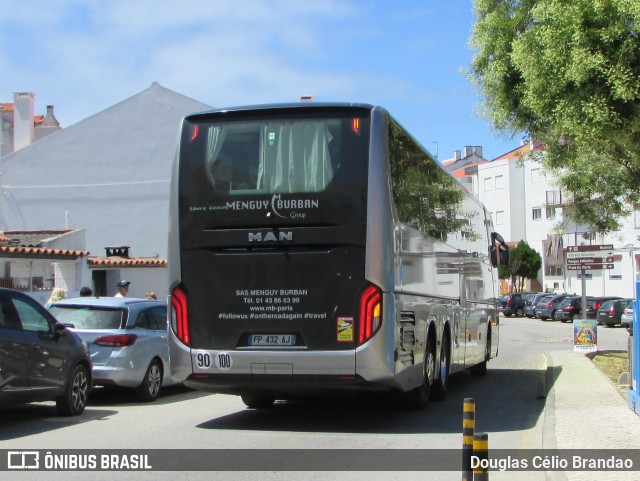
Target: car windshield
[(88, 317)]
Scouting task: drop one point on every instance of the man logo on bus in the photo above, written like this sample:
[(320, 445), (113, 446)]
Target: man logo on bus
[(278, 203), (270, 237)]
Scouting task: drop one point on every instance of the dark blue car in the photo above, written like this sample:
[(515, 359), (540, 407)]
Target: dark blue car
[(40, 359)]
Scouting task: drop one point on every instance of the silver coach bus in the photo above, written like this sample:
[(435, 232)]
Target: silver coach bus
[(318, 247)]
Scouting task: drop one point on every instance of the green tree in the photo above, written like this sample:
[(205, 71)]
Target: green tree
[(566, 73), (524, 263)]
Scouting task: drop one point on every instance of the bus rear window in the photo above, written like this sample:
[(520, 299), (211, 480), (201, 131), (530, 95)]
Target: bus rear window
[(256, 157)]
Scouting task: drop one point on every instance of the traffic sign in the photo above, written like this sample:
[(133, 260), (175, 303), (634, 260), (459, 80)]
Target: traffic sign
[(590, 248), (590, 260), (584, 267)]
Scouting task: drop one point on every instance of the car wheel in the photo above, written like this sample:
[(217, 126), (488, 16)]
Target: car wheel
[(418, 398), (149, 388), (76, 392), (442, 383), (255, 400), (519, 312)]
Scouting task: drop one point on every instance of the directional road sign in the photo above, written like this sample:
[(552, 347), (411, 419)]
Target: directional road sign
[(595, 267), (593, 257), (590, 248)]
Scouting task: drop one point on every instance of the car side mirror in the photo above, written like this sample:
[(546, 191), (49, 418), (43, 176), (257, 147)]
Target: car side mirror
[(59, 329)]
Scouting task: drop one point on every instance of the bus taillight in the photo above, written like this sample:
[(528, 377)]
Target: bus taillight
[(180, 315), (370, 313)]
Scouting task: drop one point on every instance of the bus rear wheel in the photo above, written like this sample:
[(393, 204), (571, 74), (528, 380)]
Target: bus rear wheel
[(255, 400), (441, 385), (419, 397)]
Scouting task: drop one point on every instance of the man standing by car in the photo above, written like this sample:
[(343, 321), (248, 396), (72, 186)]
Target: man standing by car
[(123, 288)]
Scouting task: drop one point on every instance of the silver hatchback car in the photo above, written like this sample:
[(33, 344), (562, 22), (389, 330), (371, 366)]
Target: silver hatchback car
[(127, 340)]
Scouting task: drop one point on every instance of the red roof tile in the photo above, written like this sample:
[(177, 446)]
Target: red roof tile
[(126, 262), (5, 107), (18, 251)]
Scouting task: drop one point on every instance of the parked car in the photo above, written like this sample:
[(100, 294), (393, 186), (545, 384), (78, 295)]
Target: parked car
[(627, 315), (569, 308), (40, 359), (514, 303), (532, 301), (127, 340), (610, 313), (501, 302), (594, 303), (547, 310)]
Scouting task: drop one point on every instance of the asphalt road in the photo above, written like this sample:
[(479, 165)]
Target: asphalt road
[(510, 405)]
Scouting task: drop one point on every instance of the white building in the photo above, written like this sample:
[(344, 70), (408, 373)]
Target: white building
[(108, 175), (525, 204)]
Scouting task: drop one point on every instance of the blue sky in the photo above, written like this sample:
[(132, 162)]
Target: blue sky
[(84, 56)]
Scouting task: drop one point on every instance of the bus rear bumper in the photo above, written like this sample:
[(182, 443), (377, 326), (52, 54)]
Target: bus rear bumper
[(292, 385)]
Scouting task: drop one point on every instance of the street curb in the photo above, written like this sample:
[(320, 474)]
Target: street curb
[(549, 416)]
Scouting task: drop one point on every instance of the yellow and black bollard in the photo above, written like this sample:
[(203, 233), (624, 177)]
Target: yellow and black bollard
[(481, 451), (468, 426)]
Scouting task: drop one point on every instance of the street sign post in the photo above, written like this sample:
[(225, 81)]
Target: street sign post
[(592, 257)]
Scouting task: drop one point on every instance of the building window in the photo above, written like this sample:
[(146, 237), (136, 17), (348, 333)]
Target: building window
[(554, 197), (537, 213), (488, 183), (499, 182), (551, 212), (500, 217), (551, 270), (536, 175)]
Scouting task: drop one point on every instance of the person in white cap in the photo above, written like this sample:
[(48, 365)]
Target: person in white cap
[(123, 288)]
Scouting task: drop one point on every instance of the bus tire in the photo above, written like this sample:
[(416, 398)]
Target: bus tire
[(254, 400), (480, 369), (419, 397), (441, 385)]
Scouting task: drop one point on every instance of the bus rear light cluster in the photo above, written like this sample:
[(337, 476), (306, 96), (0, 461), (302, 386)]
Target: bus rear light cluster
[(370, 313), (180, 315)]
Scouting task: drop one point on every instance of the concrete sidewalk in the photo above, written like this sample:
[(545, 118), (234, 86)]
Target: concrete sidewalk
[(585, 410)]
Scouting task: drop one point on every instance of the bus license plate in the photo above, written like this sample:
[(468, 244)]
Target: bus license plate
[(272, 340)]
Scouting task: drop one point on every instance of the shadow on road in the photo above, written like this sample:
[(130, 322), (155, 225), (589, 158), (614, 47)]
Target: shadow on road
[(35, 418), (506, 400)]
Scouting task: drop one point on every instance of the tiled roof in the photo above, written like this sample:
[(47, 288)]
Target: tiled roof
[(126, 262), (31, 238), (40, 252), (519, 152), (32, 243), (8, 107)]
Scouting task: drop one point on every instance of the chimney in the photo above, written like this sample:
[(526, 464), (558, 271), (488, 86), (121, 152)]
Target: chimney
[(117, 251), (24, 130), (50, 120), (456, 155), (478, 150), (468, 150)]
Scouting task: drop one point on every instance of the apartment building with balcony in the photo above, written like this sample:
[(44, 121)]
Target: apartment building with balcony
[(526, 204)]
